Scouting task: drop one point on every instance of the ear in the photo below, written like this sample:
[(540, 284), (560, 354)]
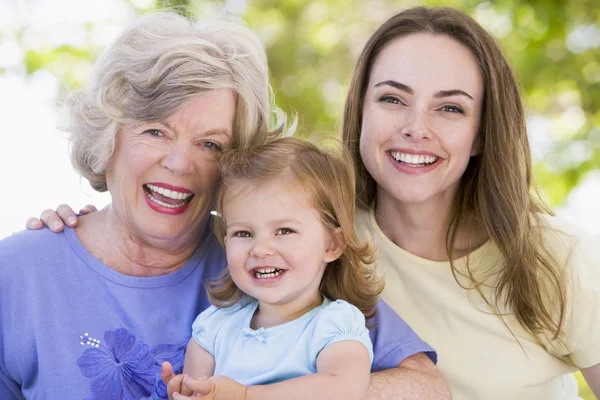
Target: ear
[(336, 245)]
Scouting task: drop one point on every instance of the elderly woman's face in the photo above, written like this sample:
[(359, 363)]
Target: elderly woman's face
[(162, 176)]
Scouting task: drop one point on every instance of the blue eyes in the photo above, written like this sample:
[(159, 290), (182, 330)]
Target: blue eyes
[(211, 146), (156, 133)]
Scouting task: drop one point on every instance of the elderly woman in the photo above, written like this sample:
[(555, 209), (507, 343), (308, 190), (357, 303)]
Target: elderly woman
[(94, 311)]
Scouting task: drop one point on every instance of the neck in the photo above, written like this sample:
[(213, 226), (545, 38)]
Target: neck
[(422, 228), (269, 315), (105, 235)]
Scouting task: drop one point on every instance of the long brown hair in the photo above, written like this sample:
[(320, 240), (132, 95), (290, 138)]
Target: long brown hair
[(496, 186), (327, 179)]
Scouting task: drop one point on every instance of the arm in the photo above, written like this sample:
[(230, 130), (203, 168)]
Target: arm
[(342, 373), (404, 365), (592, 377), (198, 362), (416, 377)]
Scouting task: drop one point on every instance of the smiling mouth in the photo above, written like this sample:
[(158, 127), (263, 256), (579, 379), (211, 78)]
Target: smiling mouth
[(266, 273), (414, 160), (167, 198)]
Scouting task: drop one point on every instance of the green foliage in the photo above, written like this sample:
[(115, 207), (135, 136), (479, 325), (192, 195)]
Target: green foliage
[(554, 46)]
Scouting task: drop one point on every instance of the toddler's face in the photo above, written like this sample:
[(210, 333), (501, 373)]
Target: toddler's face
[(277, 247)]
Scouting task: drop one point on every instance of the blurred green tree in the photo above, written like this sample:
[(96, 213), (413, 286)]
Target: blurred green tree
[(312, 47)]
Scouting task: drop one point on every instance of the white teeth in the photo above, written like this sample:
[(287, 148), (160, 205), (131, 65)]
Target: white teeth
[(265, 273), (413, 158), (162, 203), (172, 194), (266, 270)]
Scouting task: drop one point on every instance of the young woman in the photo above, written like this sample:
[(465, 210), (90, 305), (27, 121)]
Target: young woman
[(508, 294)]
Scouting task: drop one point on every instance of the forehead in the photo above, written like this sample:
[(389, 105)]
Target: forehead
[(286, 194), (425, 60), (213, 110)]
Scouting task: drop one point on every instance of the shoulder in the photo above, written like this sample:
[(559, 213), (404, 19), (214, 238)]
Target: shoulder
[(339, 321), (341, 313), (25, 246), (568, 243)]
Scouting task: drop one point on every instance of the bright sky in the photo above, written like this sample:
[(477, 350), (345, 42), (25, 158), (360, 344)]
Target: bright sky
[(35, 170)]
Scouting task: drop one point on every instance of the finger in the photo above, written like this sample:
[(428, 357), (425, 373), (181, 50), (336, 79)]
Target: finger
[(166, 373), (51, 219), (199, 385), (34, 223), (67, 215), (191, 396), (87, 209), (174, 385)]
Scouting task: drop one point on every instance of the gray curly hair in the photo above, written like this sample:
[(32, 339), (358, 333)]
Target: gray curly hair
[(155, 68)]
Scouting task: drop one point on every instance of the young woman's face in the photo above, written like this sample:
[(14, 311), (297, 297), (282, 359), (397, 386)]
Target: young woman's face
[(421, 117), (277, 247)]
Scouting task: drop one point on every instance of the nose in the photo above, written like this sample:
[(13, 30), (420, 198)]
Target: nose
[(416, 126), (262, 247), (178, 160)]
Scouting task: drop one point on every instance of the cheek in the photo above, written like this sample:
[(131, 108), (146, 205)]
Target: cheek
[(208, 173)]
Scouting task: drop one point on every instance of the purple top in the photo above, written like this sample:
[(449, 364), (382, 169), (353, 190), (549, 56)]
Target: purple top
[(73, 328)]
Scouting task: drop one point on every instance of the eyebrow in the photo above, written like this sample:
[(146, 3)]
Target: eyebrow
[(209, 133), (409, 90), (453, 92), (397, 85)]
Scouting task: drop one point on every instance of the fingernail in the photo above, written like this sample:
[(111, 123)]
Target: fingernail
[(71, 220), (56, 225)]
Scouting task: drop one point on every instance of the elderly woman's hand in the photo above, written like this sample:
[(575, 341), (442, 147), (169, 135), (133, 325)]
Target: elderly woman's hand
[(55, 220)]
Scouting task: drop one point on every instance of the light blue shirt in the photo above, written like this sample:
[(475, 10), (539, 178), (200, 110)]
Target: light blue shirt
[(290, 350)]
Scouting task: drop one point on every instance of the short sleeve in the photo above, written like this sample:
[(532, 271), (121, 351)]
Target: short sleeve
[(207, 325), (339, 321), (582, 328), (393, 340)]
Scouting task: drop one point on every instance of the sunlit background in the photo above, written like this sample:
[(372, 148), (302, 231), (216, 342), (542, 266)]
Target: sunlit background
[(48, 46)]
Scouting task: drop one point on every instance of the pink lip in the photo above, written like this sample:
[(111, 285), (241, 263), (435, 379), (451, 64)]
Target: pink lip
[(413, 170), (165, 210), (170, 187)]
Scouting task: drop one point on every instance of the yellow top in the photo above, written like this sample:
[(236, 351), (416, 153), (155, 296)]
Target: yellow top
[(477, 353)]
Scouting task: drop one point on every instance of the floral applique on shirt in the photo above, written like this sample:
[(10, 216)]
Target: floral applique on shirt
[(122, 368)]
